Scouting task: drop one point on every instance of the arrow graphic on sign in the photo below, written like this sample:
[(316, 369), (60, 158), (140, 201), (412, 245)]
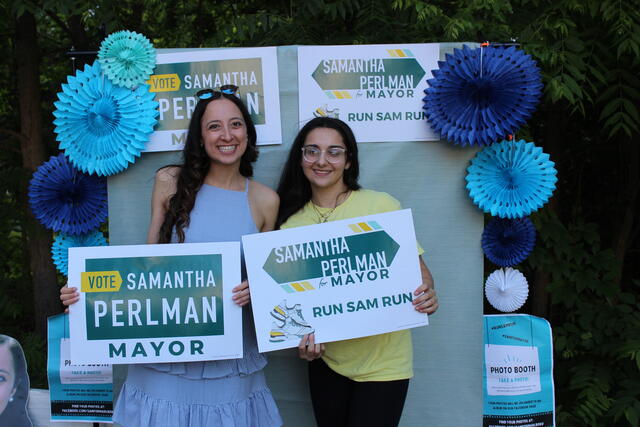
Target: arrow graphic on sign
[(360, 245)]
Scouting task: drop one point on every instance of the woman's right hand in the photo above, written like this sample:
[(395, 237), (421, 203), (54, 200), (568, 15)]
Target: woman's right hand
[(69, 296)]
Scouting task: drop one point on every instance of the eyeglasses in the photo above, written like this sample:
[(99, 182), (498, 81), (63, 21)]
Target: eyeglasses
[(312, 154), (210, 93)]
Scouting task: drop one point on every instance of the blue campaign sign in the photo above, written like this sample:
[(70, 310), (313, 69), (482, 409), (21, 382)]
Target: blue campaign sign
[(518, 372), (78, 392)]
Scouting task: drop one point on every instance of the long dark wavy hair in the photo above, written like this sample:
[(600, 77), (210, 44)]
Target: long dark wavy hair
[(294, 188), (195, 166)]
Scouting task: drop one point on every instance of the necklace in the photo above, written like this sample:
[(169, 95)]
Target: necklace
[(324, 217)]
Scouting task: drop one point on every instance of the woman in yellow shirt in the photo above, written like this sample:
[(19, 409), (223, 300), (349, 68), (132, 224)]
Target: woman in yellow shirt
[(362, 381)]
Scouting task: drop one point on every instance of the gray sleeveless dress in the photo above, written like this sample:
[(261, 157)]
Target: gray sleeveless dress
[(229, 393)]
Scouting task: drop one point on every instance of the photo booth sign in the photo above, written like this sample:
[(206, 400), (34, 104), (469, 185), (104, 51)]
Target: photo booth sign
[(82, 393), (155, 303), (179, 76), (376, 89), (340, 280), (518, 371)]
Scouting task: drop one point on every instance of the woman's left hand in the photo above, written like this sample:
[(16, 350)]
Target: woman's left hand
[(426, 300), (241, 294)]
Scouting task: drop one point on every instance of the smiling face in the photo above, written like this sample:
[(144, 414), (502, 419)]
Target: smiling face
[(322, 174), (7, 376), (224, 132)]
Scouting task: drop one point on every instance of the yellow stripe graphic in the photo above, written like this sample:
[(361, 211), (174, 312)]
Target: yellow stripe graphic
[(307, 286), (355, 228), (297, 287), (365, 226)]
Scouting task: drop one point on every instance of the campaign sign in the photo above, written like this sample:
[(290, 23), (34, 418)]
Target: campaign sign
[(155, 303), (376, 89), (518, 375), (342, 279), (77, 392), (178, 76)]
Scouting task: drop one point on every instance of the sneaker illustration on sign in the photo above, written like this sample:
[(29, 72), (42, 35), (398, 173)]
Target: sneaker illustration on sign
[(289, 323)]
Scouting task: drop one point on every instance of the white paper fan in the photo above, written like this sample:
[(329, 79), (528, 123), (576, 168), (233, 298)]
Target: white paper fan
[(506, 289)]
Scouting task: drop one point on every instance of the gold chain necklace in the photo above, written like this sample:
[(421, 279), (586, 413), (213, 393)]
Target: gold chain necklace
[(324, 217)]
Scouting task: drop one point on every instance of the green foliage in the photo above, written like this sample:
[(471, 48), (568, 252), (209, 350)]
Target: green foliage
[(588, 119), (596, 324)]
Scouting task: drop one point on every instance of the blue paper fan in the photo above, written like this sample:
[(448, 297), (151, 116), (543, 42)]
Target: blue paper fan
[(66, 200), (101, 127), (62, 243), (507, 242), (511, 179), (479, 96), (127, 58)]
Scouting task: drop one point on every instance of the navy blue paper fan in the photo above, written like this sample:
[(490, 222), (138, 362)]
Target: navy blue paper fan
[(479, 96), (62, 243), (101, 127), (66, 200), (507, 242), (511, 179)]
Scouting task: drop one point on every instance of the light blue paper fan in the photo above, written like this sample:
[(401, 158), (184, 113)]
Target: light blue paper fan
[(62, 243), (127, 58), (102, 128), (511, 179)]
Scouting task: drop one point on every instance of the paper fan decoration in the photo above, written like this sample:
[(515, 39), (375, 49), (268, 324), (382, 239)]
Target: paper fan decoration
[(511, 179), (65, 200), (127, 58), (479, 96), (507, 242), (62, 243), (101, 127), (506, 289)]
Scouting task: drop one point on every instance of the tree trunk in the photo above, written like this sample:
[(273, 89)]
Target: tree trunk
[(624, 231), (550, 134), (43, 273)]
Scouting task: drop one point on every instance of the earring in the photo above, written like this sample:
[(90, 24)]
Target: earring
[(11, 399)]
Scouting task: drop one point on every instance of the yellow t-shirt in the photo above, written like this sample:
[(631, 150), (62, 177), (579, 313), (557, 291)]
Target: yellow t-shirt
[(384, 357)]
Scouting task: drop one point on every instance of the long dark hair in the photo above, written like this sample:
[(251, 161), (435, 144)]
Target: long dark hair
[(195, 166), (294, 188)]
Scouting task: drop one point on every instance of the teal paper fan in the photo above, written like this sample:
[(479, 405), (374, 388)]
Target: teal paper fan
[(101, 127), (511, 179), (62, 243), (127, 58)]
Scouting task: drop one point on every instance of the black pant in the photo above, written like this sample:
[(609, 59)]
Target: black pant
[(341, 402)]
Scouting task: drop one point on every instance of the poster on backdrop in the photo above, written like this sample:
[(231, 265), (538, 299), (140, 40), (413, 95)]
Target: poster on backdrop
[(342, 279), (376, 89), (155, 303), (78, 393), (518, 375), (178, 76)]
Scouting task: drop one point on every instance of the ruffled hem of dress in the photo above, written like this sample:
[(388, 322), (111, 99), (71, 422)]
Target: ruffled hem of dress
[(212, 369), (137, 409)]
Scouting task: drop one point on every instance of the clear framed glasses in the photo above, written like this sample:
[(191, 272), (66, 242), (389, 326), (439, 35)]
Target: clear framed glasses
[(211, 93), (311, 154)]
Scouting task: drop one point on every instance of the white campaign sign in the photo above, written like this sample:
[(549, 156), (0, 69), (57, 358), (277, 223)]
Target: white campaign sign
[(376, 89), (180, 75), (342, 279), (155, 303)]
